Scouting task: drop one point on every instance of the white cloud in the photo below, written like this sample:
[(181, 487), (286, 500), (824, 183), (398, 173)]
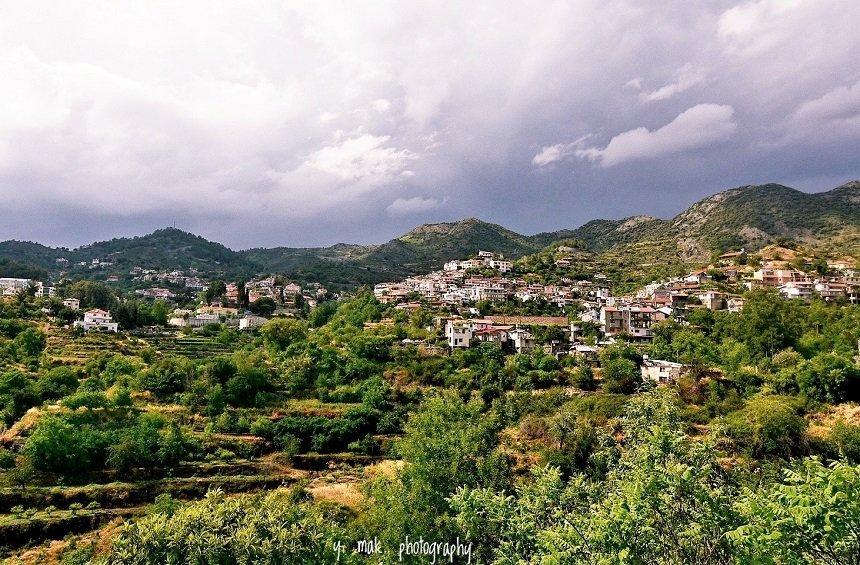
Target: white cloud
[(381, 105), (558, 152), (414, 205), (841, 103), (754, 27), (696, 127), (832, 118), (552, 153), (687, 78), (213, 111), (363, 158)]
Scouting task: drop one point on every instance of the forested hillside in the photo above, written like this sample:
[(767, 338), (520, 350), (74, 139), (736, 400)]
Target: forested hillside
[(750, 217)]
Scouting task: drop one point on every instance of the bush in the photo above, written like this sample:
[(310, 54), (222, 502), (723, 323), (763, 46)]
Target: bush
[(279, 333), (262, 427), (7, 458), (621, 376), (365, 446), (57, 383), (266, 528), (164, 504), (88, 400), (583, 378), (57, 445), (17, 395), (828, 378), (167, 376), (845, 439), (768, 426), (122, 398), (533, 427)]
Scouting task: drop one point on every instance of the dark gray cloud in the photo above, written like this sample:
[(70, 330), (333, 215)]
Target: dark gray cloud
[(313, 123)]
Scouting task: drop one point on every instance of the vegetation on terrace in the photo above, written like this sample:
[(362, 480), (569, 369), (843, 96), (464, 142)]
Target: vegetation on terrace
[(529, 457)]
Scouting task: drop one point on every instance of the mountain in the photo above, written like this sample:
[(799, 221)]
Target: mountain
[(429, 245), (753, 215), (420, 250), (748, 216), (163, 249), (29, 253)]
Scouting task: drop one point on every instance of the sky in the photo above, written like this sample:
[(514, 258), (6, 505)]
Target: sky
[(311, 123)]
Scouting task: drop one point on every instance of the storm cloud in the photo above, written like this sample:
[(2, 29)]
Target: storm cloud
[(269, 123)]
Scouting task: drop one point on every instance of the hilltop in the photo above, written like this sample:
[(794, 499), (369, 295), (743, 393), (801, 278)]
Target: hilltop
[(748, 216)]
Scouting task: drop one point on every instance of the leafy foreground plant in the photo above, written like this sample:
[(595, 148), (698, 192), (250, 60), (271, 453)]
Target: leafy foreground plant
[(812, 516), (278, 527), (666, 500)]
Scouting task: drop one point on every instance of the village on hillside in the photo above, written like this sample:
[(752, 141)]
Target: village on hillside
[(574, 317)]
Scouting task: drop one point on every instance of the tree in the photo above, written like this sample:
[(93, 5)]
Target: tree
[(446, 444), (768, 425), (31, 342), (167, 376), (811, 516), (584, 378), (215, 289), (280, 333), (56, 383), (264, 306), (92, 294), (320, 315), (828, 377), (621, 375), (768, 323), (17, 395), (665, 500), (57, 445)]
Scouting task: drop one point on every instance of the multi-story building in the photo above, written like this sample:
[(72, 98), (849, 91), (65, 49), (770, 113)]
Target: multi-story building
[(97, 319)]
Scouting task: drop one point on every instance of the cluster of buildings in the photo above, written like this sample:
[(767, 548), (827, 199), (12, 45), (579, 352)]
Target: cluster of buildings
[(283, 293), (11, 287), (458, 283), (484, 259), (156, 293), (206, 315), (512, 332), (793, 283), (190, 281), (92, 264), (286, 295), (634, 316)]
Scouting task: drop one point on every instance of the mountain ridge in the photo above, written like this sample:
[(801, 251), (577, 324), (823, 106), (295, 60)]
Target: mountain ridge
[(748, 216)]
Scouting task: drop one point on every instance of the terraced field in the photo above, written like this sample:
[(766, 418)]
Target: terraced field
[(193, 347), (47, 512)]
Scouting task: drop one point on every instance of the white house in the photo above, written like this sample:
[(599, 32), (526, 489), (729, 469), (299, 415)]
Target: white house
[(660, 371), (11, 286), (72, 303), (250, 321), (797, 289), (522, 340), (501, 265), (97, 320), (201, 320), (458, 333)]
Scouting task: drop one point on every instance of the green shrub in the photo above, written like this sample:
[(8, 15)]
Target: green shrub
[(768, 426), (86, 400)]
